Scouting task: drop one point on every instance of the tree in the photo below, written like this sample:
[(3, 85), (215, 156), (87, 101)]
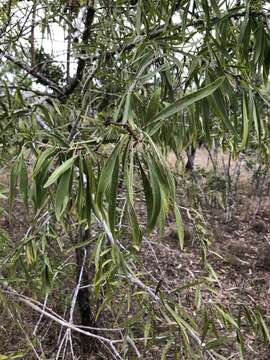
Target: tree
[(151, 77)]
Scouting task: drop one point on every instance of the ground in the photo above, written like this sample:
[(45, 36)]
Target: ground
[(239, 252)]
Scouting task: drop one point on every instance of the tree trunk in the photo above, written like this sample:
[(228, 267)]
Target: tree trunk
[(191, 157), (88, 344)]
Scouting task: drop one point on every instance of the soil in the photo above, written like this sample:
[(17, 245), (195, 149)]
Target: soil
[(242, 267)]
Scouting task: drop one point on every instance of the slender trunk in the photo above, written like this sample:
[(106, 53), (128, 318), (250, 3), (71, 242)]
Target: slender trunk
[(191, 157), (88, 345)]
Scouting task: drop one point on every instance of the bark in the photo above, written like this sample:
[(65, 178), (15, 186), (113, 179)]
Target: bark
[(88, 345), (191, 157)]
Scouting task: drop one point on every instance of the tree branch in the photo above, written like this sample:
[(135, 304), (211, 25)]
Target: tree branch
[(64, 92), (196, 23), (67, 90), (89, 18), (40, 77)]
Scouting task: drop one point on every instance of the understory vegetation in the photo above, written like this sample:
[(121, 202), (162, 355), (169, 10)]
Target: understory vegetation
[(134, 179)]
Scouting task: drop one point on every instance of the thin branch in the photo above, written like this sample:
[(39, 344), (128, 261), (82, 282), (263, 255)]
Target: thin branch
[(89, 18), (160, 29), (39, 76), (33, 49), (30, 303)]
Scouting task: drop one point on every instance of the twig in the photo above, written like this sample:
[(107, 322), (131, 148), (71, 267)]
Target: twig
[(59, 320), (39, 76)]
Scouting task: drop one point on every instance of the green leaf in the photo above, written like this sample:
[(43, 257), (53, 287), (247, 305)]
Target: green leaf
[(183, 325), (220, 109), (138, 17), (135, 227), (41, 160), (13, 182), (205, 325), (113, 196), (81, 194), (180, 226), (90, 187), (97, 252), (245, 124), (59, 171), (62, 194), (23, 178), (241, 344), (147, 193), (156, 195), (187, 101), (227, 316), (147, 327), (39, 194), (153, 106), (256, 118), (126, 113), (258, 42), (106, 175), (265, 327)]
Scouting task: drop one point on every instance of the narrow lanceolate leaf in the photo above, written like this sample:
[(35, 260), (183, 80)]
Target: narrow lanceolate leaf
[(135, 227), (41, 160), (226, 316), (129, 182), (129, 175), (153, 106), (13, 182), (90, 186), (256, 118), (113, 196), (188, 100), (147, 193), (97, 253), (156, 195), (147, 328), (205, 325), (81, 195), (245, 124), (127, 108), (106, 176), (138, 17), (60, 171), (265, 327), (180, 226), (220, 109), (258, 46), (62, 194), (23, 178), (183, 325)]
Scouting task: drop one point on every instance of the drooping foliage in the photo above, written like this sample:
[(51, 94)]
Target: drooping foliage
[(86, 124)]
